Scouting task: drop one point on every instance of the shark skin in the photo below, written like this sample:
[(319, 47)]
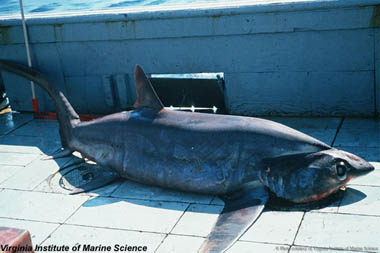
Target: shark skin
[(237, 158)]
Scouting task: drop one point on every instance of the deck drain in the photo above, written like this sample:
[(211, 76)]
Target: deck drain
[(81, 178)]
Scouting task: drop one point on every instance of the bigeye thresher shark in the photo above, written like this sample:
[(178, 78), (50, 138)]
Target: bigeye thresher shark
[(238, 158)]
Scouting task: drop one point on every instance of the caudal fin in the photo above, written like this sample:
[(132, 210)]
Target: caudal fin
[(66, 115)]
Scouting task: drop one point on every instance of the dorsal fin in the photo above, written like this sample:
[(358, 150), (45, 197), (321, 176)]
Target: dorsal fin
[(146, 96)]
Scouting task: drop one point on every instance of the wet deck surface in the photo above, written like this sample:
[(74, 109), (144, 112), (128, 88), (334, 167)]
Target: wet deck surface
[(168, 221)]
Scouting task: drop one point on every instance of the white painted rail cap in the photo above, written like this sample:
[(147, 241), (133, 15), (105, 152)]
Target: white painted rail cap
[(185, 10)]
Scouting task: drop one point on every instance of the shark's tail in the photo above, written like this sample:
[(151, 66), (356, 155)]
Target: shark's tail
[(66, 115)]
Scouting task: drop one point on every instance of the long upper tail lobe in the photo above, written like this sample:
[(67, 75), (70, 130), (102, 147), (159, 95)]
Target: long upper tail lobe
[(66, 115)]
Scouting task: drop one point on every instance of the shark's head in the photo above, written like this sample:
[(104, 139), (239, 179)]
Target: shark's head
[(309, 177)]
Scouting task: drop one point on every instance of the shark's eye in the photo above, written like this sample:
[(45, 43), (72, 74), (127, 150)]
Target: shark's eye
[(341, 171)]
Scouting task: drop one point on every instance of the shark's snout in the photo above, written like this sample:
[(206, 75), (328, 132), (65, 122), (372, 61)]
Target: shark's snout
[(355, 165), (363, 169)]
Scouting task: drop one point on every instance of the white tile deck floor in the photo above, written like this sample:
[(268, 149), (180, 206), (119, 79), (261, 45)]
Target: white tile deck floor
[(169, 221)]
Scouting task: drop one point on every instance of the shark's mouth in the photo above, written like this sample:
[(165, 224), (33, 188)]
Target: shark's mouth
[(317, 197), (280, 204), (322, 195)]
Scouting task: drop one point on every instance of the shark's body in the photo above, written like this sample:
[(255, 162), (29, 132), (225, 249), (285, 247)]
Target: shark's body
[(235, 157), (195, 152)]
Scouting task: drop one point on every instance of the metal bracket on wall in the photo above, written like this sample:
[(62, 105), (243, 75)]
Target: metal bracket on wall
[(108, 93), (116, 90), (221, 83)]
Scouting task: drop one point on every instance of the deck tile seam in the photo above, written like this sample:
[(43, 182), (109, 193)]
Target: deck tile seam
[(330, 248), (30, 135), (119, 181), (30, 220), (167, 234), (298, 228), (368, 185), (346, 213), (270, 243), (20, 152), (64, 222), (12, 165), (113, 228), (111, 197), (36, 191), (38, 157), (60, 166), (24, 166), (33, 189), (156, 200), (18, 127)]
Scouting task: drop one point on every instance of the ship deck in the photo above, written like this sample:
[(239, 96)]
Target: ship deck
[(169, 221)]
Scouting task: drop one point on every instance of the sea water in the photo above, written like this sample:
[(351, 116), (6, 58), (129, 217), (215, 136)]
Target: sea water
[(9, 7)]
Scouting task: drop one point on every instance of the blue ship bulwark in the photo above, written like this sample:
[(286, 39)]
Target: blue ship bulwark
[(318, 58)]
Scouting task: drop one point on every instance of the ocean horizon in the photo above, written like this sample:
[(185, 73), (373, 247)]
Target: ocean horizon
[(12, 7)]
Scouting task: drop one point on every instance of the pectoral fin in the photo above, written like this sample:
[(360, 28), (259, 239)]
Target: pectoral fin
[(240, 211)]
